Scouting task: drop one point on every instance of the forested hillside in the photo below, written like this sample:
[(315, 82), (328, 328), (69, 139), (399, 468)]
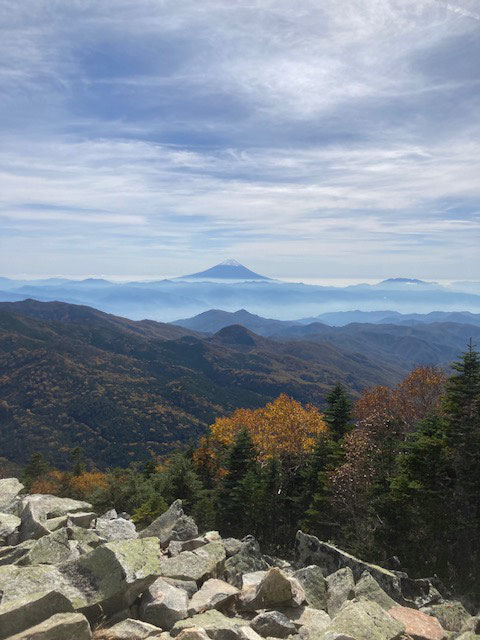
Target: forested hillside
[(72, 375)]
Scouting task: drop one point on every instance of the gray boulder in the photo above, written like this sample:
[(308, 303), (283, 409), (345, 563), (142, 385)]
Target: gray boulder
[(273, 624), (452, 615), (313, 582), (80, 519), (163, 604), (214, 594), (25, 612), (249, 559), (131, 629), (171, 525), (32, 526), (114, 574), (365, 621), (367, 588), (193, 633), (252, 579), (199, 565), (9, 525), (310, 550), (216, 625), (177, 546), (47, 506), (307, 619), (340, 588), (232, 546), (9, 490), (54, 548), (12, 554), (61, 626), (190, 586), (275, 590), (115, 529)]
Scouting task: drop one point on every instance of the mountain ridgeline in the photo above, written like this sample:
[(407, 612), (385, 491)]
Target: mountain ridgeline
[(124, 390)]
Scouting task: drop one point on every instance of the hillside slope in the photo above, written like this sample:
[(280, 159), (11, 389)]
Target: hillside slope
[(74, 376)]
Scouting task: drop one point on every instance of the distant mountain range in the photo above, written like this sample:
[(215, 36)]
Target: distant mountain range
[(227, 270), (232, 286)]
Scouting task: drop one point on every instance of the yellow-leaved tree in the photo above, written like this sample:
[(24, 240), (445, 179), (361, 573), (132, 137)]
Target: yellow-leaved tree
[(283, 429)]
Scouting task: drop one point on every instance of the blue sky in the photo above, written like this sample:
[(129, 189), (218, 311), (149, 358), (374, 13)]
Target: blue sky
[(304, 138)]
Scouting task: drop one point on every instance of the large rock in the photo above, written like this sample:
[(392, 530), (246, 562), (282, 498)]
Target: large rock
[(451, 615), (216, 625), (54, 548), (214, 594), (249, 559), (47, 506), (193, 633), (171, 525), (190, 586), (28, 611), (23, 582), (365, 621), (177, 546), (61, 626), (79, 519), (163, 604), (313, 582), (199, 565), (114, 574), (367, 588), (115, 529), (418, 625), (9, 490), (9, 524), (252, 579), (32, 526), (340, 588), (313, 621), (310, 550), (275, 590), (131, 629), (12, 554), (273, 624)]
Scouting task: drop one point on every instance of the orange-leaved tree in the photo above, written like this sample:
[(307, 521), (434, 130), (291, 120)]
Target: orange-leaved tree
[(283, 429)]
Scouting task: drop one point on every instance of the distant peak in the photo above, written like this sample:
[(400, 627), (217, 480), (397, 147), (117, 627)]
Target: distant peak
[(231, 262)]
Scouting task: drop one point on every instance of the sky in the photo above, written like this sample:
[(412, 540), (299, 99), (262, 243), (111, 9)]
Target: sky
[(305, 138)]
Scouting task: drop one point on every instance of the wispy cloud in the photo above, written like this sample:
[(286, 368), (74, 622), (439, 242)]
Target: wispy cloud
[(160, 134)]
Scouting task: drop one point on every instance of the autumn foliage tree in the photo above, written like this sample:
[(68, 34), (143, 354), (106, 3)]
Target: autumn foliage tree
[(283, 429)]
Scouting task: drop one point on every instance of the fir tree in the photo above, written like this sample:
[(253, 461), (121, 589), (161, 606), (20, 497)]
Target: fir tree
[(36, 468), (234, 504), (462, 407), (338, 414)]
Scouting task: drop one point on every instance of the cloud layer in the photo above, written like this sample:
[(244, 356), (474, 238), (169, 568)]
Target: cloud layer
[(303, 138)]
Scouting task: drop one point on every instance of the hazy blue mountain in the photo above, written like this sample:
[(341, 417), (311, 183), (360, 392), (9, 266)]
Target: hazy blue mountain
[(227, 270), (215, 320), (342, 318), (168, 300)]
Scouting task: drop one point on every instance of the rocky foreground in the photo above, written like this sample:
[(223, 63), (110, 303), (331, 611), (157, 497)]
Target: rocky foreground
[(64, 571)]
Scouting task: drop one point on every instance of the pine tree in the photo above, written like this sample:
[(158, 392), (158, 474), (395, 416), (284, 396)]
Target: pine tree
[(315, 497), (36, 468), (338, 415), (77, 456), (235, 504), (462, 407)]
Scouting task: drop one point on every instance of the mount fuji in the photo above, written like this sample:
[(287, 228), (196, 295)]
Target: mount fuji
[(227, 270)]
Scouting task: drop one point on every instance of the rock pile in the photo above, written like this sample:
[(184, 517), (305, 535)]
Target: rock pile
[(65, 571)]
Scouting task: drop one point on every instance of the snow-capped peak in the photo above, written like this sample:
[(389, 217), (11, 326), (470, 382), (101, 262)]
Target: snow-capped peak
[(231, 263)]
